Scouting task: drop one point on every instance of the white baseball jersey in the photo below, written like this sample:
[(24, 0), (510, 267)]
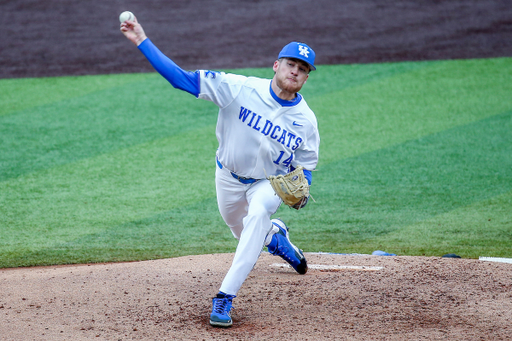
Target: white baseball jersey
[(258, 132)]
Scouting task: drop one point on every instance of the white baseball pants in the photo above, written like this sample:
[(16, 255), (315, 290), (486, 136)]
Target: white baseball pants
[(246, 209)]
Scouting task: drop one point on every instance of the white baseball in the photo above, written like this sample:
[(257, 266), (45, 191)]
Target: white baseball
[(126, 15)]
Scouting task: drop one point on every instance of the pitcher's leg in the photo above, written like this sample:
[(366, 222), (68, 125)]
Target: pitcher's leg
[(231, 200), (262, 204)]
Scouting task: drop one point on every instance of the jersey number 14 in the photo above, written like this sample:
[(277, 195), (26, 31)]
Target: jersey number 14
[(285, 162)]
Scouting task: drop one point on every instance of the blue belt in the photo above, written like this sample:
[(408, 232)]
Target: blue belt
[(239, 178), (244, 180)]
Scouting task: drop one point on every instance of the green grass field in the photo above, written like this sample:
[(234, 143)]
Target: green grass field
[(416, 159)]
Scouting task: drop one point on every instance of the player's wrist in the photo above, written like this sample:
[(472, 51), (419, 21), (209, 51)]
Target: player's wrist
[(140, 40)]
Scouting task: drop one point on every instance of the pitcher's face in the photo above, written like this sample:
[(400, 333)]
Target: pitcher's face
[(290, 74)]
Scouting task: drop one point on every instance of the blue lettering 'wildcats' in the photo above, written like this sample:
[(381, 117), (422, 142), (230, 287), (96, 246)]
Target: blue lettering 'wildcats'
[(291, 136), (269, 125), (297, 143), (255, 127), (243, 113), (283, 137), (273, 131), (252, 118)]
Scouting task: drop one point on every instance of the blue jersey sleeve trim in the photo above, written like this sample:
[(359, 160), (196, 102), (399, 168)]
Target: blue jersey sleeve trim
[(180, 79), (309, 176), (284, 102)]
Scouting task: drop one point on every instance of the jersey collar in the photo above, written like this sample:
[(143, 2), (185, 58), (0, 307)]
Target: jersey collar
[(284, 102)]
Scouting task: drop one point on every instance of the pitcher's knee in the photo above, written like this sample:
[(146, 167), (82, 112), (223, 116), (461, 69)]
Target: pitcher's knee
[(258, 220)]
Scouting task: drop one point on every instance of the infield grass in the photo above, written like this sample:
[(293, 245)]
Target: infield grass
[(416, 159)]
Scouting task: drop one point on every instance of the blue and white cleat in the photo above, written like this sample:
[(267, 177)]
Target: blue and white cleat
[(281, 246), (221, 310)]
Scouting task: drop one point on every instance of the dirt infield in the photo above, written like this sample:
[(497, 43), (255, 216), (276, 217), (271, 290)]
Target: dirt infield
[(410, 298)]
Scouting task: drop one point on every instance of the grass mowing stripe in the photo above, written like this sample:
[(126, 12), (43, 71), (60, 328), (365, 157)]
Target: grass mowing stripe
[(410, 105), (482, 228), (379, 192), (97, 123), (329, 80), (191, 229), (60, 204), (24, 93)]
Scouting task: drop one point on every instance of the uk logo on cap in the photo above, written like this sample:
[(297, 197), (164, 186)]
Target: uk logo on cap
[(304, 51), (299, 51)]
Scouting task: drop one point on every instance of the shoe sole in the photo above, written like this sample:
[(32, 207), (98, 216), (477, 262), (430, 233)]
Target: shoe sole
[(221, 324)]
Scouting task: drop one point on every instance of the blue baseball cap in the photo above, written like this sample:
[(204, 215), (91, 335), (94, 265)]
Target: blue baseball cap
[(299, 51)]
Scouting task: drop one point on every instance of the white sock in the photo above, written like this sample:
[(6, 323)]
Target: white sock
[(273, 231)]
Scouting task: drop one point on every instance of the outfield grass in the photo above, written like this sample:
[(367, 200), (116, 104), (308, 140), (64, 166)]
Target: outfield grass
[(416, 159)]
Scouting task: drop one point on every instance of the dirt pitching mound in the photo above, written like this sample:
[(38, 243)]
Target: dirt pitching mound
[(341, 297)]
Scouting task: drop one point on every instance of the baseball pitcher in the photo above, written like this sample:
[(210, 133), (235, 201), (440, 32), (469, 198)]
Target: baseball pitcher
[(268, 146)]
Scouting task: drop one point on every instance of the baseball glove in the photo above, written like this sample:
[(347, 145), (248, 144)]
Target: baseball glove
[(292, 188)]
